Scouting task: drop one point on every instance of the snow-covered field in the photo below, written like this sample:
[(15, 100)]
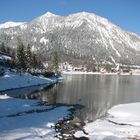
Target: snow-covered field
[(121, 123), (25, 119), (13, 80)]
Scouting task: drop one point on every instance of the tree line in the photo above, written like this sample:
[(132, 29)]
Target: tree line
[(23, 59)]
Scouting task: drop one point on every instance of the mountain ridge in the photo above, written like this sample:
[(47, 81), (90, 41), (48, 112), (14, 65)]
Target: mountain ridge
[(81, 36), (84, 12), (10, 24)]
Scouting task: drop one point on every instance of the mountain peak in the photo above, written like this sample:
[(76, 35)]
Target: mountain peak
[(83, 14), (49, 14)]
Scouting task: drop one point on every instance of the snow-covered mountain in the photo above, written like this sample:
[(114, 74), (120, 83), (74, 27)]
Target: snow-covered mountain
[(78, 38), (10, 24)]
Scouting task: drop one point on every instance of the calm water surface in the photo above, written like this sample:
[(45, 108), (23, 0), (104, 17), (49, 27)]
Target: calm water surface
[(96, 92)]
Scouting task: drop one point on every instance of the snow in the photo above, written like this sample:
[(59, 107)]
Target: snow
[(25, 119), (4, 96), (23, 26), (49, 14), (46, 19), (103, 39), (33, 48), (79, 72), (43, 40), (14, 80), (121, 122), (96, 73), (11, 106), (68, 69), (4, 57), (113, 59), (118, 54), (10, 24), (126, 114), (136, 72), (35, 39)]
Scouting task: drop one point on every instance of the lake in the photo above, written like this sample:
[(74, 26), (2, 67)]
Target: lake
[(97, 93)]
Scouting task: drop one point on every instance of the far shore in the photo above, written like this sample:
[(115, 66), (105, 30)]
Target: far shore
[(97, 73)]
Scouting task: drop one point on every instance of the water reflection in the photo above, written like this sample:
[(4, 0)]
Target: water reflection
[(24, 92), (96, 92)]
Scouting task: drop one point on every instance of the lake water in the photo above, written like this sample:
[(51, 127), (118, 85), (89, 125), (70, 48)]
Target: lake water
[(97, 93)]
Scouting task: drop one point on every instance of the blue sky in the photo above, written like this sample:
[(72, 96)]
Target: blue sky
[(125, 13)]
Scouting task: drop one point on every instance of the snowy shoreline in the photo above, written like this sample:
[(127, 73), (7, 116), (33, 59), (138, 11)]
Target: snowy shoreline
[(27, 119), (30, 120), (12, 81), (122, 122), (43, 85), (96, 73)]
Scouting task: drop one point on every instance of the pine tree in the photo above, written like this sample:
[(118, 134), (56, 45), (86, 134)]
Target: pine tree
[(55, 61), (29, 59), (20, 57), (2, 47), (34, 61)]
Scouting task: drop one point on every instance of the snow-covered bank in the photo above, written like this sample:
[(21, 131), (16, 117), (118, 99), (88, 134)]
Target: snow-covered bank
[(14, 80), (98, 73), (25, 119), (122, 122), (79, 72)]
